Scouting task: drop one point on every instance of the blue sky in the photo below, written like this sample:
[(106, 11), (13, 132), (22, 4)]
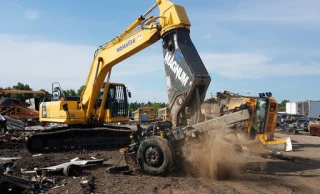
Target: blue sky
[(247, 46)]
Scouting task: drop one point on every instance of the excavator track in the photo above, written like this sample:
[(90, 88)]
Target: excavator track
[(66, 139)]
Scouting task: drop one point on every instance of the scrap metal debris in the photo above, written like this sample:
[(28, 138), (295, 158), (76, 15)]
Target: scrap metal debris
[(9, 183), (4, 160), (38, 180), (11, 141), (8, 163), (72, 168), (87, 184), (128, 168)]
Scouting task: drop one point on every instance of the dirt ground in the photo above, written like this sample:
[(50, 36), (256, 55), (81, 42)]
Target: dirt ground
[(258, 174)]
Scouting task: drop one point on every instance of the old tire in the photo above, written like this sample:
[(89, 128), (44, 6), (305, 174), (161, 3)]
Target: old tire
[(155, 155), (294, 131)]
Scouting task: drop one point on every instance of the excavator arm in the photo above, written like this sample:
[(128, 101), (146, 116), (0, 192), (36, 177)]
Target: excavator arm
[(186, 75)]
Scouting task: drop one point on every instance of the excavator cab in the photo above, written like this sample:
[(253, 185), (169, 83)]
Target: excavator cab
[(265, 112), (57, 92), (260, 128), (111, 106)]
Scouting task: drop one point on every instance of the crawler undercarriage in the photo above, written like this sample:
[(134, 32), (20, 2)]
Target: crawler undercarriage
[(60, 139)]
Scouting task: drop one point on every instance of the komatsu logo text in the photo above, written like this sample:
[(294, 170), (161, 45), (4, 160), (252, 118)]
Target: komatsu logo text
[(175, 67), (130, 42)]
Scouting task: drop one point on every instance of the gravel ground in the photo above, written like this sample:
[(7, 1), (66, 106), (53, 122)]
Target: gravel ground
[(258, 174)]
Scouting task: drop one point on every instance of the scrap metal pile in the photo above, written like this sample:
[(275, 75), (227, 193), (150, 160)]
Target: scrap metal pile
[(23, 111), (10, 135), (17, 120), (14, 133), (43, 179)]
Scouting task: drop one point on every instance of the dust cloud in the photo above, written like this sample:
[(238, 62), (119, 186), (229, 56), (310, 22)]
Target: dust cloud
[(216, 156)]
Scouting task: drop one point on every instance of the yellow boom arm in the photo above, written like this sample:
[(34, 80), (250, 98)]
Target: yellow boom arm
[(139, 35)]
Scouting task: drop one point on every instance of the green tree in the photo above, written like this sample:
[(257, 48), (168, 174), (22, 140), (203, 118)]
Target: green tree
[(70, 92), (282, 105), (80, 90), (133, 106), (19, 86), (156, 107), (46, 97)]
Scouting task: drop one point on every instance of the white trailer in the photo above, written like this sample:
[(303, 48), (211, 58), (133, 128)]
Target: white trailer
[(309, 108), (315, 108), (291, 108)]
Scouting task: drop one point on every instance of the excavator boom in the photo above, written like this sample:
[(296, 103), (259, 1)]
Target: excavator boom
[(185, 72), (186, 75)]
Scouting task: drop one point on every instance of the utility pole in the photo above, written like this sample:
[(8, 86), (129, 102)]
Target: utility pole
[(154, 106)]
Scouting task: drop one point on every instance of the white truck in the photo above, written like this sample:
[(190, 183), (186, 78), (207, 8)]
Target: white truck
[(307, 108)]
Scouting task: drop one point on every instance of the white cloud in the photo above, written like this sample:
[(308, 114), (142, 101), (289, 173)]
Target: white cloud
[(31, 14), (141, 94), (206, 36), (138, 64), (15, 5), (11, 9), (293, 11), (254, 66), (39, 63)]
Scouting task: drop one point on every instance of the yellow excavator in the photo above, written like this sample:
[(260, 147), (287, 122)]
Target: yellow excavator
[(258, 131), (88, 119), (101, 103)]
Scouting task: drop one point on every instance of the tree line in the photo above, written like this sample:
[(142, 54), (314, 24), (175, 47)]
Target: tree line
[(132, 106), (155, 105), (282, 105), (20, 86), (47, 97)]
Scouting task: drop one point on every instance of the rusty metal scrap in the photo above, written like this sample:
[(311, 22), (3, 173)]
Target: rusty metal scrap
[(2, 91)]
